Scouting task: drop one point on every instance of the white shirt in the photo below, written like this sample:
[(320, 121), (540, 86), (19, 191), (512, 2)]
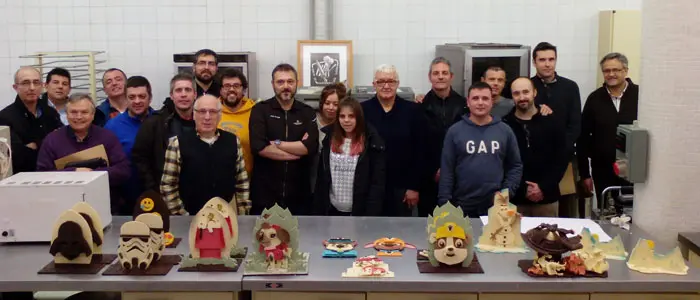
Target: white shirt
[(616, 100)]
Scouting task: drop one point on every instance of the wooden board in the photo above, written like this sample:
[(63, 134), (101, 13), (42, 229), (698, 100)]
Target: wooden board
[(307, 296), (179, 296), (421, 296), (474, 267), (554, 296), (645, 296)]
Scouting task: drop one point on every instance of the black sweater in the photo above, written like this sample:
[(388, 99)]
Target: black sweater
[(440, 114), (368, 185), (563, 97), (402, 129), (599, 126), (545, 159), (25, 128)]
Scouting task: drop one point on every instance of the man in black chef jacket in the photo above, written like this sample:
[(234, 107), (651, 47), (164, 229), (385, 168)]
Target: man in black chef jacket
[(607, 107)]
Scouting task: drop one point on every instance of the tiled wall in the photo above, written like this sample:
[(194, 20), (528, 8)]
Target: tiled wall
[(140, 36)]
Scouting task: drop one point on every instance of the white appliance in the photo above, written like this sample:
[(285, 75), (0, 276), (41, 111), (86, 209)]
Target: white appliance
[(31, 202)]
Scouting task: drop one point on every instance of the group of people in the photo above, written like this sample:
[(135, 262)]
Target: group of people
[(386, 156)]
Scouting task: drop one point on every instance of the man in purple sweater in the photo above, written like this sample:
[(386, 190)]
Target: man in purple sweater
[(80, 135)]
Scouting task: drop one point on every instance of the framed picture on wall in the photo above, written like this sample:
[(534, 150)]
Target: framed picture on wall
[(324, 62)]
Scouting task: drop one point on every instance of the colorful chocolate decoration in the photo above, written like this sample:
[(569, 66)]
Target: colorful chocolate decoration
[(72, 240), (152, 202), (276, 241), (450, 237), (389, 246), (644, 259), (613, 249), (210, 244), (339, 248), (368, 266), (135, 251), (502, 232), (551, 243)]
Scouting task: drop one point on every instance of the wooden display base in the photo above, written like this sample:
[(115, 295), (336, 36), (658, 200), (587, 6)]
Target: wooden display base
[(212, 268), (159, 268), (172, 259), (104, 259), (421, 257), (176, 242), (241, 256), (424, 266), (52, 268), (525, 264)]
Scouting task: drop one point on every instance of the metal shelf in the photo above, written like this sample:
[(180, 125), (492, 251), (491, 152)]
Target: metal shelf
[(83, 66)]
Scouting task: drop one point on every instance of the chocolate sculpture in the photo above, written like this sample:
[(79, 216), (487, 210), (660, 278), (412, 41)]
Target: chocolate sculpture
[(72, 240), (229, 213), (551, 243), (450, 242), (368, 266), (94, 222), (210, 244), (502, 232), (644, 259), (389, 246), (155, 226), (152, 202), (135, 251), (339, 248), (276, 239)]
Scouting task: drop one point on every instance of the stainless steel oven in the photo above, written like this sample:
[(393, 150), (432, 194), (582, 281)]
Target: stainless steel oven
[(242, 61)]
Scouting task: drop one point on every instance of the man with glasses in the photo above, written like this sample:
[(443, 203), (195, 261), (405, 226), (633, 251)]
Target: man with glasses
[(236, 110), (401, 124), (79, 135), (283, 140), (205, 165), (614, 103), (29, 119)]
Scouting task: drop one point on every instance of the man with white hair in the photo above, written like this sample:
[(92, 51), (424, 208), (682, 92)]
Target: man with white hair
[(401, 124), (204, 165)]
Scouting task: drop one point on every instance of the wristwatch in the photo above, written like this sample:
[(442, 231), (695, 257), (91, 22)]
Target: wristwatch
[(278, 142)]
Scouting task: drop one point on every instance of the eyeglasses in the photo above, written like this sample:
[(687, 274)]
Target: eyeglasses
[(232, 86), (384, 82), (204, 112), (616, 71)]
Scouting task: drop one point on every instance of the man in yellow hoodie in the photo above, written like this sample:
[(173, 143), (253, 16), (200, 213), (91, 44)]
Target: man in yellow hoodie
[(236, 109)]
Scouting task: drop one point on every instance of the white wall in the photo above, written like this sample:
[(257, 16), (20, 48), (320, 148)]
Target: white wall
[(140, 36)]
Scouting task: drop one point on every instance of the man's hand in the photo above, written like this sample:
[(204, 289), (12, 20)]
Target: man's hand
[(411, 198), (306, 136), (437, 176), (419, 98), (32, 145), (533, 192), (545, 110), (83, 169), (588, 185)]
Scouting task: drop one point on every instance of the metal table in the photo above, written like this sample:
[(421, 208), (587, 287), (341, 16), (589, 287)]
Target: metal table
[(20, 263)]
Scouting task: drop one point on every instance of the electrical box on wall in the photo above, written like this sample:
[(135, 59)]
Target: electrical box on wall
[(632, 152), (242, 61)]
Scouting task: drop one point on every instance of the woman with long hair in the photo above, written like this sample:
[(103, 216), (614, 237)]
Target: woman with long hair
[(351, 173), (331, 95)]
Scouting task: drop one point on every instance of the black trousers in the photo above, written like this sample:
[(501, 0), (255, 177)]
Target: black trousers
[(332, 211), (393, 203), (428, 197), (604, 176)]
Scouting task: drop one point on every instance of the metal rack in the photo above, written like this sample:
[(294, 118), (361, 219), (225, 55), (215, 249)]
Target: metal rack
[(83, 66)]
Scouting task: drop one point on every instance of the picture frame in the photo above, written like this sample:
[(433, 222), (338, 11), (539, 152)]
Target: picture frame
[(324, 62)]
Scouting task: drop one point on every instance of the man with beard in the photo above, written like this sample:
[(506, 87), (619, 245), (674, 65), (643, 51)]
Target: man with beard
[(29, 119), (236, 110), (148, 154), (126, 125), (113, 81), (614, 103), (542, 151), (283, 140), (206, 65), (442, 107)]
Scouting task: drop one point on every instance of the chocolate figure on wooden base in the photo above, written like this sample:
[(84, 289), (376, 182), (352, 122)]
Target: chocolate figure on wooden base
[(210, 244), (450, 242), (94, 222), (155, 226), (502, 232), (135, 251), (228, 211), (276, 241), (551, 243), (368, 266), (72, 240)]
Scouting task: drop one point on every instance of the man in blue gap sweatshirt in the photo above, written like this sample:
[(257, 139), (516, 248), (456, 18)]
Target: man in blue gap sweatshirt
[(401, 124), (125, 126), (479, 158)]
